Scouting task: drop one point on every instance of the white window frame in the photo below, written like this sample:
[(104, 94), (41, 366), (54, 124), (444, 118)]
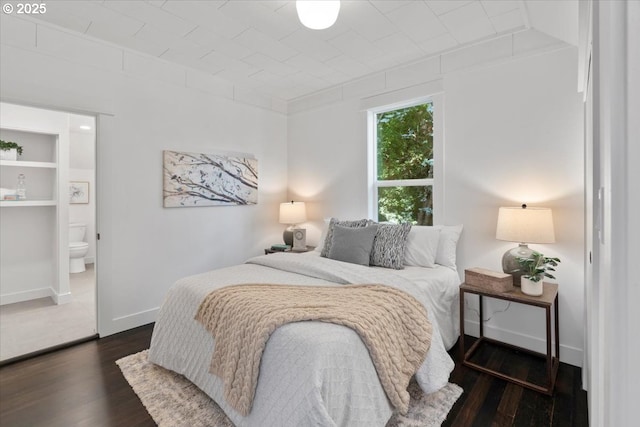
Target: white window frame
[(436, 183)]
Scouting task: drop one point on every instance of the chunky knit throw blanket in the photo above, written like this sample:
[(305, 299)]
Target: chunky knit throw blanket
[(392, 324)]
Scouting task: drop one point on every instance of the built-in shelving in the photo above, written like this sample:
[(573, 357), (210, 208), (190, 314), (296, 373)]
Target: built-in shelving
[(26, 164), (22, 203)]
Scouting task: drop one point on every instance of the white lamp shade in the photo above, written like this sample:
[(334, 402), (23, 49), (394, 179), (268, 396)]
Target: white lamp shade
[(292, 213), (525, 225), (318, 14)]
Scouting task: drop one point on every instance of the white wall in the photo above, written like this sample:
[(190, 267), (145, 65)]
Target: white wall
[(146, 106), (82, 168), (512, 134)]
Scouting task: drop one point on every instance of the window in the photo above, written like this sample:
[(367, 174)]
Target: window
[(402, 163)]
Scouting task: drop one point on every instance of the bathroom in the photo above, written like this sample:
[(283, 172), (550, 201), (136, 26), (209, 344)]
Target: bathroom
[(48, 278)]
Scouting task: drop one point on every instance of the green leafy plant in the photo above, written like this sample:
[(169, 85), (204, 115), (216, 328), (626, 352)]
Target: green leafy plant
[(538, 266), (8, 145)]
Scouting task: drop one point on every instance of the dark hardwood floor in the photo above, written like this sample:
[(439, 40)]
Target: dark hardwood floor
[(82, 386)]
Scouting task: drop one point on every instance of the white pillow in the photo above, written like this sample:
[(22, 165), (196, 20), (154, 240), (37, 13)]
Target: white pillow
[(422, 246), (323, 235), (449, 236)]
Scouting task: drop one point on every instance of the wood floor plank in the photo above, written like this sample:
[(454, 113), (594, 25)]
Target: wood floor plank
[(82, 386)]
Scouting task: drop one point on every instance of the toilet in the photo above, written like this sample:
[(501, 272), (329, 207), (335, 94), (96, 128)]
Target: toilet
[(78, 248)]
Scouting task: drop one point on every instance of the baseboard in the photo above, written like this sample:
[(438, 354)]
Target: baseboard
[(26, 295), (61, 298), (571, 355), (124, 323)]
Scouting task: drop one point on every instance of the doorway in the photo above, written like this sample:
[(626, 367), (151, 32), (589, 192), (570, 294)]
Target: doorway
[(47, 236)]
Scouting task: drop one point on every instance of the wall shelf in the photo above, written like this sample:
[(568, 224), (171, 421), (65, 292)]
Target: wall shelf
[(22, 203), (27, 164)]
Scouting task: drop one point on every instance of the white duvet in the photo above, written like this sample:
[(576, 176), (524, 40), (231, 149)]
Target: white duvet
[(311, 373)]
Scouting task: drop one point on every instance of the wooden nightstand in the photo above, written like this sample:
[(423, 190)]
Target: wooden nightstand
[(546, 300)]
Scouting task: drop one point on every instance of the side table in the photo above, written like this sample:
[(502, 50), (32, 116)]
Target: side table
[(548, 298)]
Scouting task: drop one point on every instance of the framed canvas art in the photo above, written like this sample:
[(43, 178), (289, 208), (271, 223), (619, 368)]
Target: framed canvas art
[(196, 179), (78, 192)]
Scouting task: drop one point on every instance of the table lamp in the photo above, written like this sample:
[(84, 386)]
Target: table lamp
[(291, 213), (523, 225)]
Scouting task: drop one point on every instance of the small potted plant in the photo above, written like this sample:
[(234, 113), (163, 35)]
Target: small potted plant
[(9, 150), (534, 269)]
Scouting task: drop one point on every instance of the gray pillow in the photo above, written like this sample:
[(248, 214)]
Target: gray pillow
[(329, 237), (352, 244), (389, 245)]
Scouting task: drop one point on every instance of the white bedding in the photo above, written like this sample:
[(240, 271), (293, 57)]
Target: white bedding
[(312, 373)]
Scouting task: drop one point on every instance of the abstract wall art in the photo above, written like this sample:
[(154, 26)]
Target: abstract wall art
[(195, 179), (78, 192)]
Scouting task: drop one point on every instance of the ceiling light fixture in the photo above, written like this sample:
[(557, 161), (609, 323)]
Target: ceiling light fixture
[(85, 127), (318, 14)]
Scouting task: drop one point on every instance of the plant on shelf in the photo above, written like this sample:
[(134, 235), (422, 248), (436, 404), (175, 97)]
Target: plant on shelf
[(538, 266), (8, 145), (534, 269)]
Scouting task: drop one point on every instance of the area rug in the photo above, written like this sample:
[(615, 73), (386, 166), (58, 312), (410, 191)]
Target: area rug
[(173, 401)]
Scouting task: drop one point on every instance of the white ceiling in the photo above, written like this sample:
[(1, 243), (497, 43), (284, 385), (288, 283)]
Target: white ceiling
[(261, 44)]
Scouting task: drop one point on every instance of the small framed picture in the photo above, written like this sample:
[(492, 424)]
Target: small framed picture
[(78, 192)]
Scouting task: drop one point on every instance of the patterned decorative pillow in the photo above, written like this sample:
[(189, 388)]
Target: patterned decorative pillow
[(334, 221), (389, 246)]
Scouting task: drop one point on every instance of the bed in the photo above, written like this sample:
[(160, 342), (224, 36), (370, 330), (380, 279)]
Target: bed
[(311, 373)]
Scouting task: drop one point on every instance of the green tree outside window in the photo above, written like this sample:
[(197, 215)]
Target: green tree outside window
[(405, 152)]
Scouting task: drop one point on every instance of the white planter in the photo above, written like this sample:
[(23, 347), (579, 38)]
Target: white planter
[(529, 287), (10, 154)]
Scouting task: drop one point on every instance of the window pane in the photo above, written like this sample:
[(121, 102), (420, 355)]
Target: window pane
[(405, 143), (406, 204)]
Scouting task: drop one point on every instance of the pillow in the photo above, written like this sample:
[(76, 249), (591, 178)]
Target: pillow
[(422, 246), (350, 244), (329, 237), (323, 235), (449, 235), (389, 245)]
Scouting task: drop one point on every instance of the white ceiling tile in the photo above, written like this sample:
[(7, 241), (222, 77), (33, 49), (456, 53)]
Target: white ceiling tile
[(507, 21), (213, 41), (314, 47), (187, 49), (206, 16), (348, 66), (263, 19), (468, 23), (257, 41), (156, 3), (498, 7), (438, 44), (367, 21), (356, 46), (224, 63), (155, 35), (386, 6), (315, 68), (110, 33), (440, 7), (399, 47), (158, 17), (262, 44), (266, 63), (417, 21), (67, 19)]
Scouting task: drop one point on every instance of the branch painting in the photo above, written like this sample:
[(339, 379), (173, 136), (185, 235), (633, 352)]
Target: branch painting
[(192, 179)]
